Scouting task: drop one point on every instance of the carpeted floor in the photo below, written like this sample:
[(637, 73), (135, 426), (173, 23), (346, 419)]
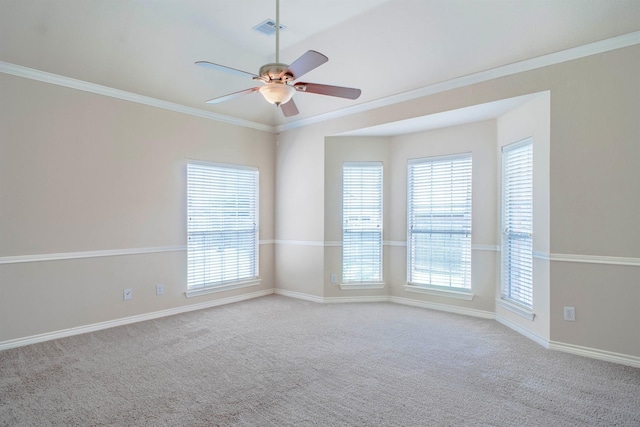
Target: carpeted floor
[(276, 361)]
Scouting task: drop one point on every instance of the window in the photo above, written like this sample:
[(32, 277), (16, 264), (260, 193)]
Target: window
[(517, 223), (439, 221), (222, 224), (362, 222)]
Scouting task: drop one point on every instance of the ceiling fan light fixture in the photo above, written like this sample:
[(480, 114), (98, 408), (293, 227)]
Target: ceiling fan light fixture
[(277, 93), (276, 76)]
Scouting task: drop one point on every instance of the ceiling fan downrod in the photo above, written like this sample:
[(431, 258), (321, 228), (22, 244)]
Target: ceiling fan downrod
[(276, 78), (277, 31)]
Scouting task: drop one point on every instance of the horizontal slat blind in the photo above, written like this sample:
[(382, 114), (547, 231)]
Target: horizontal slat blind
[(439, 221), (362, 222), (517, 222), (222, 226)]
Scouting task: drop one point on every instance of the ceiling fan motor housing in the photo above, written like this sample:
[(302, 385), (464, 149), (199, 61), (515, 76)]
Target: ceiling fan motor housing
[(273, 71)]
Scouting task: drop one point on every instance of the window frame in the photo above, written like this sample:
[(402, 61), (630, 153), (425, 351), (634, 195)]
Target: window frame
[(416, 284), (247, 184), (523, 234), (374, 203)]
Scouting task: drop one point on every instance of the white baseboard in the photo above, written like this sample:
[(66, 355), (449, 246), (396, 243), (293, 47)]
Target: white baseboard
[(443, 307), (5, 345), (522, 331), (330, 300), (607, 356), (298, 295), (372, 298)]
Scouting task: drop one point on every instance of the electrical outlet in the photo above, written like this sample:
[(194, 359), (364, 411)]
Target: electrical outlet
[(159, 289), (127, 294), (334, 278), (570, 314)]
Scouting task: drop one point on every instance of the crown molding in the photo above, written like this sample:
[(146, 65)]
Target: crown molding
[(601, 46), (55, 79)]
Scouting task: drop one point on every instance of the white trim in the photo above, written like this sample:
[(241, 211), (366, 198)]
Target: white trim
[(440, 158), (298, 295), (601, 46), (608, 356), (88, 254), (439, 292), (43, 76), (491, 248), (190, 293), (300, 242), (403, 243), (329, 300), (541, 255), (595, 259), (514, 308), (337, 243), (443, 307), (590, 259), (363, 285), (220, 165), (370, 298), (97, 254), (522, 331), (5, 345)]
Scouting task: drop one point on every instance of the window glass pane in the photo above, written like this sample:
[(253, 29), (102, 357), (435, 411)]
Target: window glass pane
[(439, 221), (517, 223), (222, 224), (362, 222)]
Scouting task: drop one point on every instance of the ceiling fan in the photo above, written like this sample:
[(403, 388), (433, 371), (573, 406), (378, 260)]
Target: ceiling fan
[(278, 78)]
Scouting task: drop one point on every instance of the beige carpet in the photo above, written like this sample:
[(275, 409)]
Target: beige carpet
[(276, 361)]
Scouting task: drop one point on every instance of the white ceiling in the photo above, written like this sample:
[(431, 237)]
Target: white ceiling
[(384, 47), (475, 113)]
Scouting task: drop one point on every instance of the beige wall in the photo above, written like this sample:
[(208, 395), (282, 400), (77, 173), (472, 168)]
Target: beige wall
[(299, 261), (593, 204), (595, 200), (531, 121), (81, 173), (478, 139), (339, 150)]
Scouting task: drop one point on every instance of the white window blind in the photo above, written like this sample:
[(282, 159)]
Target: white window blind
[(222, 224), (517, 222), (439, 221), (362, 222)]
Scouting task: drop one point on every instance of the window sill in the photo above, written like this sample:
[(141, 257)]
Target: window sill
[(517, 309), (458, 293), (221, 288), (361, 285)]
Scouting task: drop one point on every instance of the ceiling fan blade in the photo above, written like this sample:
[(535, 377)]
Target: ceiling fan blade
[(307, 62), (232, 95), (224, 68), (340, 92), (289, 109)]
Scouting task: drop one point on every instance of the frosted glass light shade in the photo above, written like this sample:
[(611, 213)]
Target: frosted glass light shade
[(277, 93)]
